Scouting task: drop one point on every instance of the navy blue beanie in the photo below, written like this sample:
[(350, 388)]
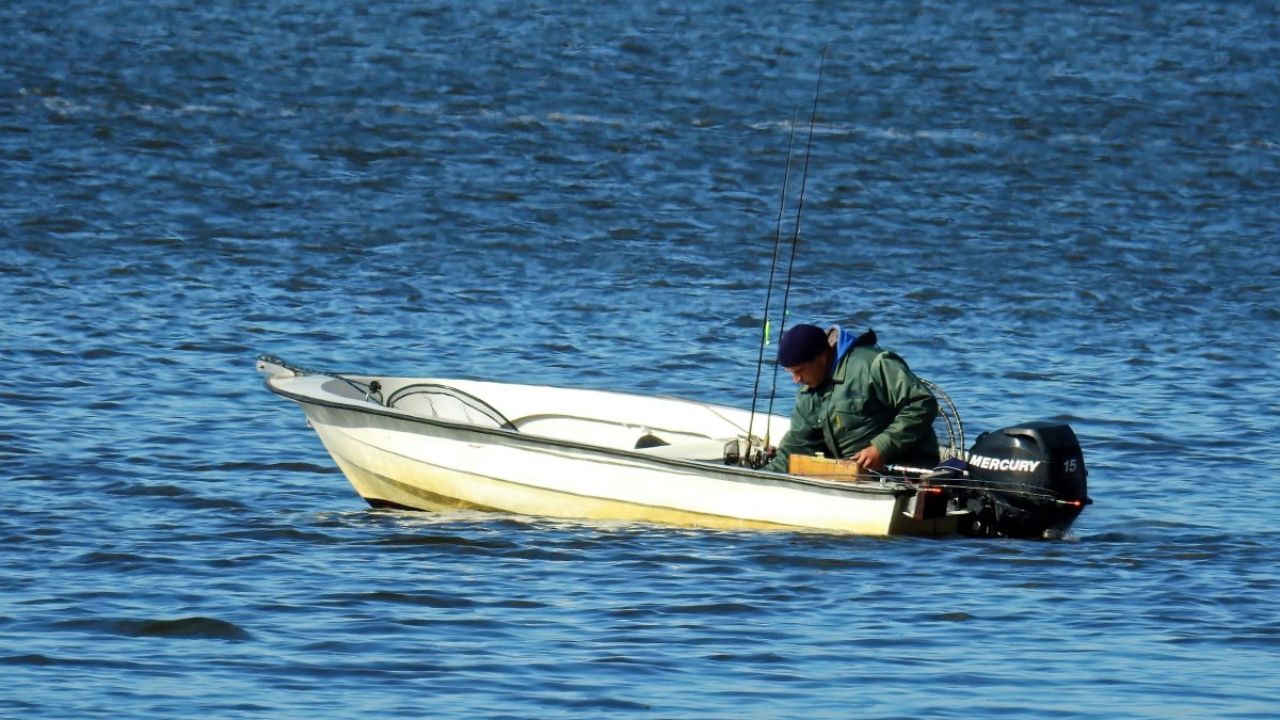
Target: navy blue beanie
[(801, 344)]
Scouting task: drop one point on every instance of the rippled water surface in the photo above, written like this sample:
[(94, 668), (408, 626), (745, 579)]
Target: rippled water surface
[(1054, 210)]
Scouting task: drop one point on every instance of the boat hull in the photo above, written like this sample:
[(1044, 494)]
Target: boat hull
[(398, 459)]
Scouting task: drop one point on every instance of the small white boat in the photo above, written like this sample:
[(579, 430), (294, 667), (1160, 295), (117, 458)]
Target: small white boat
[(433, 444)]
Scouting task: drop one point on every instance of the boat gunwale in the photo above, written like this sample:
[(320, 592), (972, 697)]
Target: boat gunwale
[(879, 488)]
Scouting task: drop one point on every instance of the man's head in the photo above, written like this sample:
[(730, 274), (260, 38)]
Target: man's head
[(806, 354)]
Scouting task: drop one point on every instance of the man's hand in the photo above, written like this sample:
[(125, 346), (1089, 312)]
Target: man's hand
[(869, 458)]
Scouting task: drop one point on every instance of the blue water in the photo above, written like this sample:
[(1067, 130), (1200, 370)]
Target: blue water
[(1054, 210)]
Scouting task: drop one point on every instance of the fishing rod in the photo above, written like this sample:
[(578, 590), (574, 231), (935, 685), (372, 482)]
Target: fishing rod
[(804, 177), (768, 295)]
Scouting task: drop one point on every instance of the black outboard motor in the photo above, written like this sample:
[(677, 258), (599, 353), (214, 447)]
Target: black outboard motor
[(1029, 481)]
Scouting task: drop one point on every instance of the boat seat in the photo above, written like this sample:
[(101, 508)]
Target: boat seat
[(596, 431), (708, 450)]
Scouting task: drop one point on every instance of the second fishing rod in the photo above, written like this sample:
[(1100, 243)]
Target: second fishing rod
[(752, 454)]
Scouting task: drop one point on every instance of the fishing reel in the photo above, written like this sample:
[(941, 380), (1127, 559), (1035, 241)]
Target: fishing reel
[(748, 452)]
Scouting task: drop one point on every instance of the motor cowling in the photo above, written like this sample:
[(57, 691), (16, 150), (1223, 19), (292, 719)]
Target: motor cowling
[(1028, 481)]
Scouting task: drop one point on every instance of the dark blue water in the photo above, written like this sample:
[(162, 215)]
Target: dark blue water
[(1054, 210)]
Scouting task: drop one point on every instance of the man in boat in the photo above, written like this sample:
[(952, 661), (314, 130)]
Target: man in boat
[(856, 401)]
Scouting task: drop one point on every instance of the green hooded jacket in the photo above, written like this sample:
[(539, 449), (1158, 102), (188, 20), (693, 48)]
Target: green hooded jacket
[(870, 398)]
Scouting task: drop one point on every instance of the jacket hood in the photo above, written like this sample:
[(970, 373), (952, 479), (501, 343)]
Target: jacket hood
[(846, 340)]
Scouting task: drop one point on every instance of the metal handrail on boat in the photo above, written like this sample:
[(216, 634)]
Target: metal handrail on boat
[(469, 401)]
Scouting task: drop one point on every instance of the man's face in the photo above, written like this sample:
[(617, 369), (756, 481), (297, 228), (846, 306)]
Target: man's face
[(811, 374)]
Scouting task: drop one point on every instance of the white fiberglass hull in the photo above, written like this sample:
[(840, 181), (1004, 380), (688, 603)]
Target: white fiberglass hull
[(571, 454)]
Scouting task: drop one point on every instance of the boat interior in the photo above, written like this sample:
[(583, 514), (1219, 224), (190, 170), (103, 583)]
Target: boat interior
[(661, 427)]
